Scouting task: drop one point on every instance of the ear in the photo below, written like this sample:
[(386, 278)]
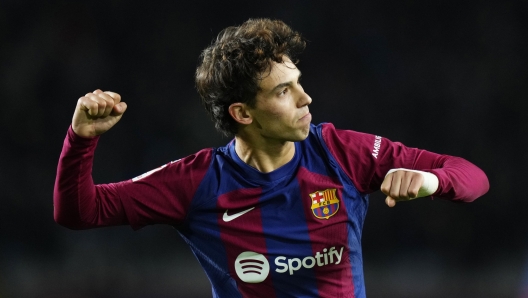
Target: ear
[(240, 112)]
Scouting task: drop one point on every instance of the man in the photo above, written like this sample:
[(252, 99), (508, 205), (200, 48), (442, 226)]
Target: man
[(277, 212)]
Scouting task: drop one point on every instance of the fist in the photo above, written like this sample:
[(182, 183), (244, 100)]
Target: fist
[(401, 185), (97, 112)]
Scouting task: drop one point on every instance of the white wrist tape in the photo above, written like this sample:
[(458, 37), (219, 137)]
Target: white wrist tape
[(429, 185)]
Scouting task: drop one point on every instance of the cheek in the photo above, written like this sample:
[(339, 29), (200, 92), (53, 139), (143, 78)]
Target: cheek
[(276, 112), (269, 119), (270, 114), (279, 119), (280, 110)]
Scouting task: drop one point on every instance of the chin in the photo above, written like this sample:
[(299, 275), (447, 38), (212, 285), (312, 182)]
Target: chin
[(302, 135)]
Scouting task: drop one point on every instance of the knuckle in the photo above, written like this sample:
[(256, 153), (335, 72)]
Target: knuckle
[(101, 102), (113, 95), (419, 178), (88, 103), (107, 99)]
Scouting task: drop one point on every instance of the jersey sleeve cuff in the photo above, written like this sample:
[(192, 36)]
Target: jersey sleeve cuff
[(75, 139)]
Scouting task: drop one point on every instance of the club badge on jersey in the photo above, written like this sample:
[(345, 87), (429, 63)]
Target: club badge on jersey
[(325, 203)]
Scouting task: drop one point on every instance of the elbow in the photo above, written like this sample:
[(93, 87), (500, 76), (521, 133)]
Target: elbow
[(67, 221), (479, 187), (66, 212), (465, 187), (484, 184)]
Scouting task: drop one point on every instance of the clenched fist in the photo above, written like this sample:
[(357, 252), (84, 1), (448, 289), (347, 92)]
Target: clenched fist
[(405, 185), (97, 112)]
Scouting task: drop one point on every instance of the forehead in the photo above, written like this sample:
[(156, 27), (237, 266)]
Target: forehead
[(280, 73)]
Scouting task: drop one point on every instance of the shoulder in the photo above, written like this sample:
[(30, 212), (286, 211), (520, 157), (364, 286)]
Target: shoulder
[(196, 163), (198, 159), (332, 136), (345, 144)]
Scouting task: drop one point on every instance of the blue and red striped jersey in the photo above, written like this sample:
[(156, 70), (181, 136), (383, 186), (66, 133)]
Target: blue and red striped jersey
[(293, 232)]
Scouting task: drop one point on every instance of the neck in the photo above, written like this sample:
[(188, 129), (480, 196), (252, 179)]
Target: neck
[(263, 155)]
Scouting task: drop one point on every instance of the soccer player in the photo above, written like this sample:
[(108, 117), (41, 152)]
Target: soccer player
[(279, 210)]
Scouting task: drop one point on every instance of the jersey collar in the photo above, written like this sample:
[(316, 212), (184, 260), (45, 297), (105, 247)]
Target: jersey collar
[(254, 174)]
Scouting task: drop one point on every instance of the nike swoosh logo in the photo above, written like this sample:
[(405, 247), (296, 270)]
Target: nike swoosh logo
[(227, 217)]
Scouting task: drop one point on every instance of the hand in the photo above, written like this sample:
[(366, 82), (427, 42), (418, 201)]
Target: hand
[(97, 112), (401, 185)]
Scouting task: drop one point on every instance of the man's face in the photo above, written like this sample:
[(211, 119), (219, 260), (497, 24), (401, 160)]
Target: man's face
[(281, 109)]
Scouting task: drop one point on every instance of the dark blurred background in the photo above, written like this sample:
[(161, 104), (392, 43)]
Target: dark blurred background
[(447, 76)]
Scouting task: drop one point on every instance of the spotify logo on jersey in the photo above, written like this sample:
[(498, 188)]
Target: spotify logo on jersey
[(252, 267)]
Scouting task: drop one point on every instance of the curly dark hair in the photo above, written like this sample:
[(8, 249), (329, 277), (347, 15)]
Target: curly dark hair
[(231, 68)]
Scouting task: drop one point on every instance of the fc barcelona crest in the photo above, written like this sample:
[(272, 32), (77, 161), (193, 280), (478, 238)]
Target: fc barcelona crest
[(324, 203)]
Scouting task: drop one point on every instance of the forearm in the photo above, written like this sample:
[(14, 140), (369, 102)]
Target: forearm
[(78, 203), (459, 179)]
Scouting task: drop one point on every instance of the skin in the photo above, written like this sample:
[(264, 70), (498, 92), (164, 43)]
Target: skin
[(401, 186), (97, 112), (279, 118), (267, 131)]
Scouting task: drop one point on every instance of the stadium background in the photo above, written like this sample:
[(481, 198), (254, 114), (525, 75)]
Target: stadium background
[(447, 76)]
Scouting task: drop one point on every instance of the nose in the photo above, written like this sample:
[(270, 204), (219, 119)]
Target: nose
[(304, 99)]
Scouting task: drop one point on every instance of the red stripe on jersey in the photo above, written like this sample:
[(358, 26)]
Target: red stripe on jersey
[(333, 280), (164, 195), (241, 231)]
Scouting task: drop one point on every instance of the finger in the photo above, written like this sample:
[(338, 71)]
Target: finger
[(405, 183), (115, 96), (101, 104), (97, 91), (85, 103), (109, 103), (119, 109), (386, 184), (415, 185), (394, 191), (390, 202)]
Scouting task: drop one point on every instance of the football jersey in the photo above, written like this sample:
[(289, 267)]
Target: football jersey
[(293, 232)]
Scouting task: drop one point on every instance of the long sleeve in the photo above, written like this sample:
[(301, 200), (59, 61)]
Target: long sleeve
[(78, 203), (459, 179), (159, 196), (367, 158)]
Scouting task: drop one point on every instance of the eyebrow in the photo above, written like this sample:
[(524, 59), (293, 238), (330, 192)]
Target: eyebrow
[(285, 84)]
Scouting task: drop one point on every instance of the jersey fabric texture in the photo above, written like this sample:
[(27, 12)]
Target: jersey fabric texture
[(293, 232)]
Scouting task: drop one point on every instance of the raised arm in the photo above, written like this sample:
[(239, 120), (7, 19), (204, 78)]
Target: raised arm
[(77, 201)]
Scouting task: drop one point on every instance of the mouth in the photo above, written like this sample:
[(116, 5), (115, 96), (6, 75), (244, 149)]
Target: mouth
[(307, 117)]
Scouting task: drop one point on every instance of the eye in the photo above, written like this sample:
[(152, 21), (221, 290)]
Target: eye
[(283, 92)]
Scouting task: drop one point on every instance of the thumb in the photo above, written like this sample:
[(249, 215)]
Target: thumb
[(390, 201), (119, 109)]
